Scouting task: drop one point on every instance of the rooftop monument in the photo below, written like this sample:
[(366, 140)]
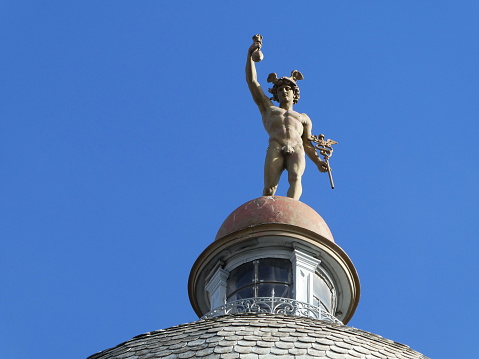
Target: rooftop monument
[(289, 131)]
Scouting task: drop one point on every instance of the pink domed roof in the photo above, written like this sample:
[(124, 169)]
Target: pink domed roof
[(282, 210)]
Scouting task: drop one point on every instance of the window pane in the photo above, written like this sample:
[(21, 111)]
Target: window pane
[(243, 293), (276, 290), (284, 291), (265, 290), (240, 277), (274, 270), (322, 292)]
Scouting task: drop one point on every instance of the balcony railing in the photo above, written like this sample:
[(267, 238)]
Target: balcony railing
[(273, 305)]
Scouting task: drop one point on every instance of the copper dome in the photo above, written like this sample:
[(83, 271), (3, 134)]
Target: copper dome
[(281, 210)]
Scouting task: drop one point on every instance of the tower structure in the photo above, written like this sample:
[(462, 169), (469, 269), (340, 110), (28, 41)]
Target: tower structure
[(275, 254), (273, 283)]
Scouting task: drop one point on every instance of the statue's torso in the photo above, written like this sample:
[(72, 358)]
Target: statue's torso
[(284, 127)]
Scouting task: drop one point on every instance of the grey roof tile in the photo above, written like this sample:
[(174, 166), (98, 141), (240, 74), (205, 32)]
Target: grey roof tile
[(269, 339), (232, 328), (178, 345), (297, 351), (195, 342), (246, 342), (260, 350), (316, 353), (242, 350), (338, 349), (319, 346), (324, 341), (226, 343), (307, 339), (210, 356), (182, 350), (235, 337), (243, 332), (229, 355), (354, 354), (222, 350), (265, 344), (303, 345), (164, 353), (205, 352), (280, 334), (289, 339), (278, 351), (333, 355), (379, 355), (274, 325), (186, 355), (213, 339), (284, 345), (343, 345), (361, 350), (249, 356)]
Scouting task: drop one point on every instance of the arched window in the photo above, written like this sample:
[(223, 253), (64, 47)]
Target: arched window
[(266, 277)]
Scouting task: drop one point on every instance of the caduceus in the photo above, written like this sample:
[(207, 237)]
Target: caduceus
[(326, 150)]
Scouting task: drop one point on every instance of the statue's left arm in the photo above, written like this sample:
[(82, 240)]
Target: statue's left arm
[(308, 146)]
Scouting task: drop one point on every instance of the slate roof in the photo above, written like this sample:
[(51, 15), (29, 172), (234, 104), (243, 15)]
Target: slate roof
[(259, 336)]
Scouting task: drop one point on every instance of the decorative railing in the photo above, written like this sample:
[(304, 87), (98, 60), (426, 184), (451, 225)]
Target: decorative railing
[(273, 305)]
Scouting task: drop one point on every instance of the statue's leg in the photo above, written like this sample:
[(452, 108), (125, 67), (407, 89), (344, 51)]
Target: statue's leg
[(295, 165), (273, 167)]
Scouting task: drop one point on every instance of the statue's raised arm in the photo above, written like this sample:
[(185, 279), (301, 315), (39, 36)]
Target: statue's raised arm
[(255, 55)]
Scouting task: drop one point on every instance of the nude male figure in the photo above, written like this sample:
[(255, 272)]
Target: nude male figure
[(288, 130)]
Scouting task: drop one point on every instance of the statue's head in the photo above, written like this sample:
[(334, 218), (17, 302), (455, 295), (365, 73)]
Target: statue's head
[(285, 81)]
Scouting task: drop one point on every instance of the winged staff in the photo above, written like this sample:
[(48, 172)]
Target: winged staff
[(326, 150)]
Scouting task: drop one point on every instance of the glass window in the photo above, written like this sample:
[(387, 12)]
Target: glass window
[(274, 270), (266, 277), (241, 277), (244, 293), (322, 295)]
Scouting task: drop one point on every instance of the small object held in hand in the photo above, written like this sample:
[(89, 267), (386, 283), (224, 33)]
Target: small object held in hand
[(257, 55)]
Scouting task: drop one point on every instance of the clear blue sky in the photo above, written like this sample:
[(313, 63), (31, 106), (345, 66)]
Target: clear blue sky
[(128, 135)]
